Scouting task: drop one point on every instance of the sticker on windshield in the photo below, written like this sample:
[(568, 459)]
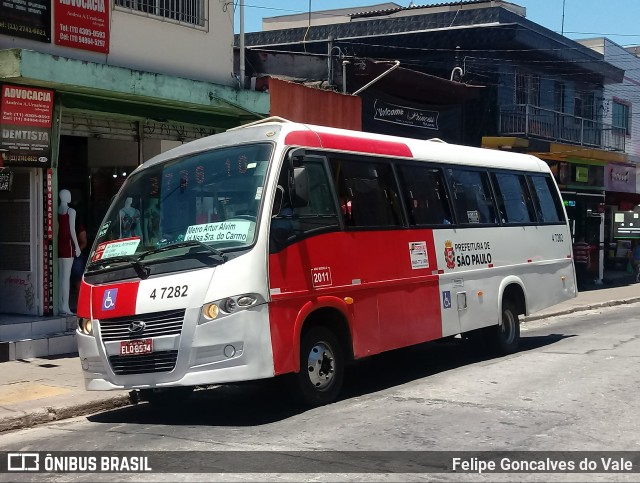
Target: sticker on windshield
[(103, 229), (221, 231), (116, 248)]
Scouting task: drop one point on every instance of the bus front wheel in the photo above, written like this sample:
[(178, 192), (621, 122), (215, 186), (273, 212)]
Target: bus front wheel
[(321, 367), (166, 397)]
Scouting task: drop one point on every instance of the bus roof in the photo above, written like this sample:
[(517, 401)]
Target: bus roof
[(357, 142)]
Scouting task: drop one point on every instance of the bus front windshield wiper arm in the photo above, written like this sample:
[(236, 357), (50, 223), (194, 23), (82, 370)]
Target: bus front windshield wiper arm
[(183, 244), (141, 270)]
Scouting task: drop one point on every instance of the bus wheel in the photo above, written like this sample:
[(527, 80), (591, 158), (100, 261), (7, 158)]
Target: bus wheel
[(505, 338), (321, 367), (166, 397)]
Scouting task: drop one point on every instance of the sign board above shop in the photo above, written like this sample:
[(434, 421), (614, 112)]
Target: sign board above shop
[(25, 125), (626, 224)]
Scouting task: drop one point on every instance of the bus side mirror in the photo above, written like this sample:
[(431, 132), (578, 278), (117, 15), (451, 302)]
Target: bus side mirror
[(300, 194)]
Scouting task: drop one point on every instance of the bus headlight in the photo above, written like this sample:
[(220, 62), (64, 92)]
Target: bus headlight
[(85, 326), (210, 311), (229, 305)]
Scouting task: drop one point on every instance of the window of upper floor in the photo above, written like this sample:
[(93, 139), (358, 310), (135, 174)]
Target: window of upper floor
[(559, 96), (191, 12), (584, 105), (622, 115), (527, 89)]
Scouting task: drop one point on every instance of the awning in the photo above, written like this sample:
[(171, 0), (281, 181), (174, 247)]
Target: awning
[(91, 86)]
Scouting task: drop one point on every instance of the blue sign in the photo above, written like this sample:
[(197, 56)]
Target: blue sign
[(446, 299), (109, 299)]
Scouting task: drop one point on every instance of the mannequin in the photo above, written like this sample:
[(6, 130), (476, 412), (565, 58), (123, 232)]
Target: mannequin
[(129, 220), (67, 248)]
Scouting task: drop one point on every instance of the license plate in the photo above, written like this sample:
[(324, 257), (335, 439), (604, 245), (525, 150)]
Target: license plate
[(136, 347)]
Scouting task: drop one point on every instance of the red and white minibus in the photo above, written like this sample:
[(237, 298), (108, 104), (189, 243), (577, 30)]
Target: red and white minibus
[(283, 248)]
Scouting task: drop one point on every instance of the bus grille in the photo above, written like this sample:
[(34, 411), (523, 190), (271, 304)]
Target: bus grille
[(155, 362), (156, 324)]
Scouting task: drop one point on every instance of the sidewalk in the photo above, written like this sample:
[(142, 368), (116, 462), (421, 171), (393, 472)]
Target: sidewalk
[(36, 391)]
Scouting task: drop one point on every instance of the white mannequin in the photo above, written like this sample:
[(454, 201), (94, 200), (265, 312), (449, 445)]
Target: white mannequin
[(131, 215), (66, 237)]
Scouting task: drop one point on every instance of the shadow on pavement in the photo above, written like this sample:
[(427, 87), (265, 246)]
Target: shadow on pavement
[(263, 402)]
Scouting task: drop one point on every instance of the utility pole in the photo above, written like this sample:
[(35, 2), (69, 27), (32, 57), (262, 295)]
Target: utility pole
[(562, 28), (241, 44)]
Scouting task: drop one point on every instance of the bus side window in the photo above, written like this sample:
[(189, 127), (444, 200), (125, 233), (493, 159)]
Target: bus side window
[(545, 199), (291, 224), (368, 193), (513, 198), (425, 197), (473, 201)]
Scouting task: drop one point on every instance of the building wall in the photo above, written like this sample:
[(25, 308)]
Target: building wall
[(154, 44), (628, 91), (298, 103)]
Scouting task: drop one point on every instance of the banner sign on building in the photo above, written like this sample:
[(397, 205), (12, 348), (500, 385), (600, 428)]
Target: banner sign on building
[(47, 272), (416, 121), (620, 178), (30, 19), (387, 112), (82, 24), (25, 126)]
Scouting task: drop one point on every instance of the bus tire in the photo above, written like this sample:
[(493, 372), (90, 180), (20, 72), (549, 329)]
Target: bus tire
[(321, 367), (504, 338), (166, 397)]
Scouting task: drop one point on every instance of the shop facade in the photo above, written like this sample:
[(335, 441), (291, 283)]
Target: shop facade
[(83, 127)]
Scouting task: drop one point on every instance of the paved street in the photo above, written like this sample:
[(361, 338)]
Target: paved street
[(573, 386)]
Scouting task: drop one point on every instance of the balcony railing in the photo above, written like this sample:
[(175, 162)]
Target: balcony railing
[(536, 122)]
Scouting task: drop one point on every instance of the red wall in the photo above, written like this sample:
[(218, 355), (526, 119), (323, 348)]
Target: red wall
[(299, 103)]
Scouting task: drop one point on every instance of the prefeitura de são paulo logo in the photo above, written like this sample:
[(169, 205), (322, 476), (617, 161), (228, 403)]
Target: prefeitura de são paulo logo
[(449, 255)]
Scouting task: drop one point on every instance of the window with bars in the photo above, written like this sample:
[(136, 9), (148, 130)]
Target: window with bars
[(187, 11), (527, 89)]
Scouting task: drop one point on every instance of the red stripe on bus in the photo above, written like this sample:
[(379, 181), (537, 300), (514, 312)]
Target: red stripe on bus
[(119, 303), (391, 291), (303, 138), (347, 143), (529, 260), (490, 265)]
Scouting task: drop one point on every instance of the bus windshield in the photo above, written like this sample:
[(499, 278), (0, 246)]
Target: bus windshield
[(208, 200)]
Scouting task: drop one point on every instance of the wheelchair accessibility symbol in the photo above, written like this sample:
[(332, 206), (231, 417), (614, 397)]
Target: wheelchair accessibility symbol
[(446, 299), (109, 300)]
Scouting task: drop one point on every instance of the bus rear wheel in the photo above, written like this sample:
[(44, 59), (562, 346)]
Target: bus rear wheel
[(321, 367), (504, 339)]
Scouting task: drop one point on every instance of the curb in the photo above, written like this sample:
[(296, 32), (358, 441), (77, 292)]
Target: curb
[(582, 308), (49, 414)]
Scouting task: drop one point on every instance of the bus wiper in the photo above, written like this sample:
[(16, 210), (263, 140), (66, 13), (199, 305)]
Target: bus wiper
[(141, 270), (183, 244)]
